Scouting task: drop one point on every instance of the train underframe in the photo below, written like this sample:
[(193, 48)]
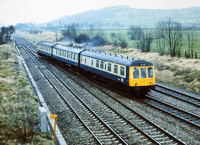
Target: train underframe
[(136, 91)]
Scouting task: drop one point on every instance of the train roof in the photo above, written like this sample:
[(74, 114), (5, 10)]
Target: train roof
[(69, 49), (115, 58), (49, 44)]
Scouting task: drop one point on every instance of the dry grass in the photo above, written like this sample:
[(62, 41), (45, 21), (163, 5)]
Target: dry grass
[(13, 81), (45, 36)]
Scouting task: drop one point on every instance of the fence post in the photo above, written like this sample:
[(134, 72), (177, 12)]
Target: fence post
[(43, 119)]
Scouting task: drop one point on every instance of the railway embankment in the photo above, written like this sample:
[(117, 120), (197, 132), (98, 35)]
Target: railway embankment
[(19, 115)]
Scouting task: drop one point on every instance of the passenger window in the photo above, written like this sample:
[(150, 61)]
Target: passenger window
[(74, 57), (143, 73), (91, 62), (122, 70), (69, 55), (85, 60), (136, 73), (97, 63), (101, 66), (109, 66), (150, 72), (116, 69)]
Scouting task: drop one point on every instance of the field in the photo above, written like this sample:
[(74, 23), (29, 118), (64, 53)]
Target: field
[(179, 72), (133, 43)]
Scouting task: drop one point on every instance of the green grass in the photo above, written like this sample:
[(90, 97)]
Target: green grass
[(132, 43)]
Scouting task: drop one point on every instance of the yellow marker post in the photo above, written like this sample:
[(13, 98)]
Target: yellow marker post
[(55, 117)]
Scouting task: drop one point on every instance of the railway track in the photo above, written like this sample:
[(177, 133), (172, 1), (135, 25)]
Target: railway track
[(144, 126), (184, 115), (102, 134), (147, 131), (178, 95), (172, 110), (97, 127)]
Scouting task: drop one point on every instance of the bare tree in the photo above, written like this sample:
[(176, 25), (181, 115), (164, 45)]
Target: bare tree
[(11, 29), (113, 36), (91, 31), (172, 35), (190, 39), (71, 30), (160, 39), (146, 41), (74, 30), (135, 32)]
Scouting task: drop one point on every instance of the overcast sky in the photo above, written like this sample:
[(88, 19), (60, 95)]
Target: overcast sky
[(39, 11)]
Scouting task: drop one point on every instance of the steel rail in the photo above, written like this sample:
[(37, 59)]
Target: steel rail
[(186, 98)]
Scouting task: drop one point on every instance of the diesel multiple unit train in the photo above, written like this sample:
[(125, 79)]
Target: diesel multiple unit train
[(129, 74)]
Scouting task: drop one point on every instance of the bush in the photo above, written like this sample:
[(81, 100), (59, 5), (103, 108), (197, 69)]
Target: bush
[(21, 117), (82, 38), (1, 38), (21, 113), (115, 43), (98, 41), (6, 53), (123, 43)]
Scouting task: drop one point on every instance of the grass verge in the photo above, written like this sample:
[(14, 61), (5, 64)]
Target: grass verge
[(18, 104)]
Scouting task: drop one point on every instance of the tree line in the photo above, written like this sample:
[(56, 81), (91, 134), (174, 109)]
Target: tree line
[(168, 35), (6, 31)]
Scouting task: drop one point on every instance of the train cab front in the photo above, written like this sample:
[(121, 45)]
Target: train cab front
[(142, 78)]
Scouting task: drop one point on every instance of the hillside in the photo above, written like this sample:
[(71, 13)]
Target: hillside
[(123, 16)]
